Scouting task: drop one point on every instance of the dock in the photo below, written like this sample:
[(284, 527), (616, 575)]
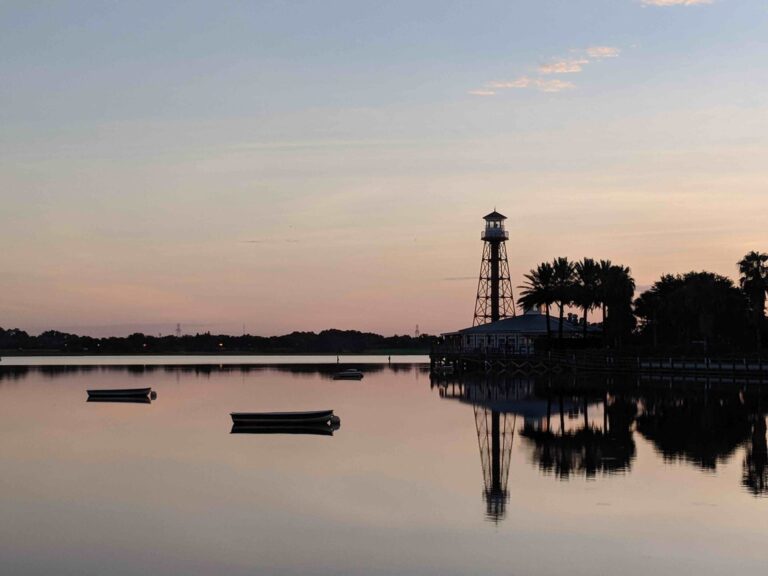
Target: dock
[(499, 361)]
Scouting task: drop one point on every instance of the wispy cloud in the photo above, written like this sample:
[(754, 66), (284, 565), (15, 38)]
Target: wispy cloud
[(568, 65), (544, 85), (482, 92), (675, 2), (553, 85), (563, 66), (600, 52), (522, 82)]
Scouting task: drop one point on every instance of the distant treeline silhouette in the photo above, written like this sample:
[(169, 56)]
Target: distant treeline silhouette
[(696, 312), (326, 342), (699, 312)]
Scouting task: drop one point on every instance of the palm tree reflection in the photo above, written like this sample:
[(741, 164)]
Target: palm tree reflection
[(755, 466), (587, 449), (702, 429)]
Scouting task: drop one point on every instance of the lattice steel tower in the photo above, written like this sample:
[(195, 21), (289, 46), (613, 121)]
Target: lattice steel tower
[(494, 289)]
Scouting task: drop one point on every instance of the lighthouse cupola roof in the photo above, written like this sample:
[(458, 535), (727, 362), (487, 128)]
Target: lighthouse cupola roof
[(494, 216)]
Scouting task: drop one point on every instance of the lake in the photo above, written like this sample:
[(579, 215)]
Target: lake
[(498, 475)]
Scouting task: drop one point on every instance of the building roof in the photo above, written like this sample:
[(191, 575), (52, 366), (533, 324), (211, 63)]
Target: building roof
[(532, 322), (494, 216)]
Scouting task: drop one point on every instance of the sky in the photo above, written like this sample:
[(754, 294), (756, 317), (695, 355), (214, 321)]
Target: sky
[(300, 165)]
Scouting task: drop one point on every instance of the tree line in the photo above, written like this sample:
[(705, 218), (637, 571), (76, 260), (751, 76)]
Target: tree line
[(691, 312), (325, 342), (679, 313)]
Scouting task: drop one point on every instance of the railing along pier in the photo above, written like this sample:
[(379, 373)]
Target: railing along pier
[(499, 360)]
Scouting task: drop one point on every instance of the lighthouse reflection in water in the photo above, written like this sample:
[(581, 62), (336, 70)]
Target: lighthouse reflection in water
[(571, 427)]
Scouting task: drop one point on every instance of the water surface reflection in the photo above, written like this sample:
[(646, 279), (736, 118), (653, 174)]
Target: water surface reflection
[(500, 476), (586, 426)]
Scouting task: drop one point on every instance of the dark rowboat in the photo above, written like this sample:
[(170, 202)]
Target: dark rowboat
[(265, 419), (120, 393)]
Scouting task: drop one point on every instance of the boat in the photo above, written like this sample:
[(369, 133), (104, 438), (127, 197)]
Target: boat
[(120, 393), (285, 419), (348, 374)]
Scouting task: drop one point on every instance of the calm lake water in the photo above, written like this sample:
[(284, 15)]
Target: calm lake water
[(511, 476)]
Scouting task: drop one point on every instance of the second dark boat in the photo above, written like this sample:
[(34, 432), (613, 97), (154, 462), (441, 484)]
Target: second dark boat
[(115, 393)]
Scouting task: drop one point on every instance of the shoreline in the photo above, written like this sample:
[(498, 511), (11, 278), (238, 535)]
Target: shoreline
[(46, 353), (209, 359)]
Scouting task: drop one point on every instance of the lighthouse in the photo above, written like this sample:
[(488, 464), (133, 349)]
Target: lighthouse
[(494, 288)]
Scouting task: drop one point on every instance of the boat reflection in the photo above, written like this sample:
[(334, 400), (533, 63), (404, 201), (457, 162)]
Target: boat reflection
[(310, 429), (137, 400)]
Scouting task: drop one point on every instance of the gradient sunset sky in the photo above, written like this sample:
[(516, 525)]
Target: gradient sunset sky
[(307, 165)]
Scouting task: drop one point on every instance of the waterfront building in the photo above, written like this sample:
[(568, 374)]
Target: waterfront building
[(515, 335)]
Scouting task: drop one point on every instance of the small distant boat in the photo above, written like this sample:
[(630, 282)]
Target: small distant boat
[(119, 393), (349, 374), (284, 419)]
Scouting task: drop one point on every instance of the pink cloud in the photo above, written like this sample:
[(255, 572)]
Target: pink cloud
[(563, 66)]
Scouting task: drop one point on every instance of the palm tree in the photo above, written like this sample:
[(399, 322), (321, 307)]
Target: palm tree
[(538, 289), (650, 305), (616, 291), (603, 274), (587, 285), (753, 279), (564, 271)]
